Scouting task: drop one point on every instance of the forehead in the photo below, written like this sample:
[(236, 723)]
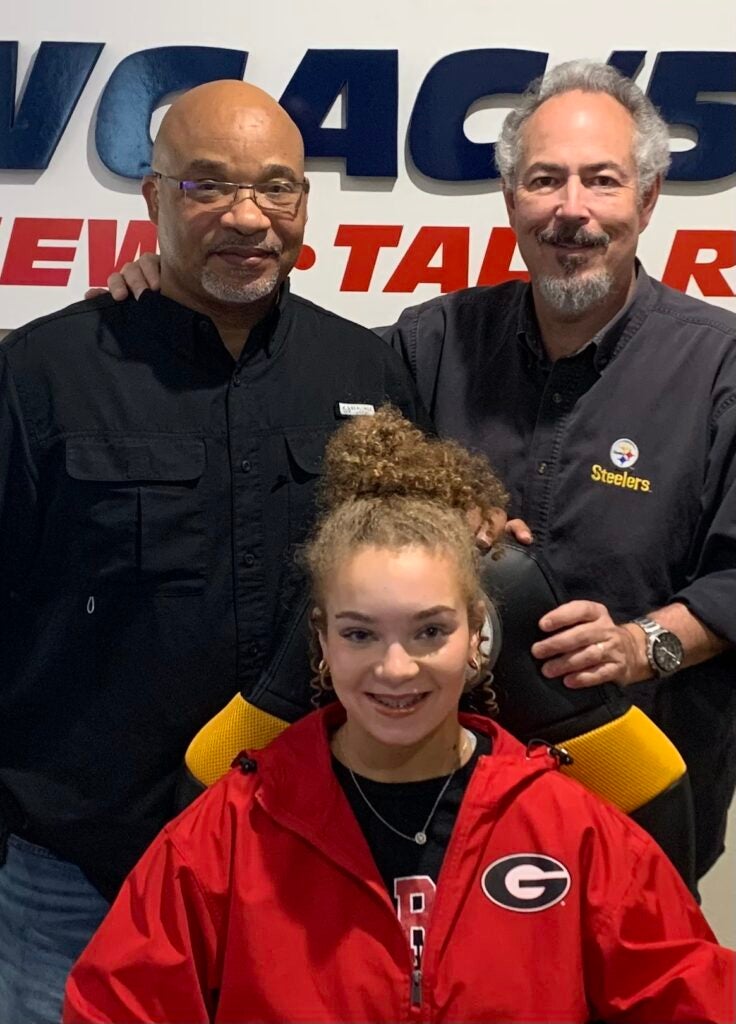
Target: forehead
[(578, 128), (406, 579), (236, 140)]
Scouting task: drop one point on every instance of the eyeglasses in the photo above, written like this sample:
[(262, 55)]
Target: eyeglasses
[(281, 196)]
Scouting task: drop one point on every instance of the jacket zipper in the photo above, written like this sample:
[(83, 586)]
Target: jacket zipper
[(416, 988), (416, 978)]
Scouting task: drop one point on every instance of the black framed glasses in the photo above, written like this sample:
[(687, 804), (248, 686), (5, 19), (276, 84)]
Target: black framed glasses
[(278, 196)]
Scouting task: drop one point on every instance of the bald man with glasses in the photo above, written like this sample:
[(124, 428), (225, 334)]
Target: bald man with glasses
[(158, 461)]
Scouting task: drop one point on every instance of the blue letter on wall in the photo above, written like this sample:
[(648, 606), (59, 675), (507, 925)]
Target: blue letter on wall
[(437, 140), (368, 81), (677, 80), (59, 74), (628, 62), (138, 84)]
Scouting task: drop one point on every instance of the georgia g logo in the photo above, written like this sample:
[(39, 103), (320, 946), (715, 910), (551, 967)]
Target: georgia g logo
[(526, 882)]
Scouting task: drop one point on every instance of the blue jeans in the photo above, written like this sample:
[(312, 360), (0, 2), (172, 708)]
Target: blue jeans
[(48, 912)]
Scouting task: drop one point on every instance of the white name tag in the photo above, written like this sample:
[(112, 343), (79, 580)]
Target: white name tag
[(355, 409)]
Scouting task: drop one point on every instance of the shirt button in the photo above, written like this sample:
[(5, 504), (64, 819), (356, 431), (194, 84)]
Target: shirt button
[(542, 468), (557, 397), (254, 650), (249, 560), (236, 381), (245, 466), (204, 326)]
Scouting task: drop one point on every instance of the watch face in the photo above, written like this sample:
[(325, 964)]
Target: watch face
[(667, 652)]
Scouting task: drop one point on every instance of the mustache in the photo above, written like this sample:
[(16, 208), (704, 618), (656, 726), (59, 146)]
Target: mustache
[(240, 245), (573, 236)]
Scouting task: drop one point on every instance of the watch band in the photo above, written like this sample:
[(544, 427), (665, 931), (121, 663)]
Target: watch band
[(650, 627), (652, 631)]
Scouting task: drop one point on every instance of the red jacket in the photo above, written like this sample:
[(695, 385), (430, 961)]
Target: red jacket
[(261, 902)]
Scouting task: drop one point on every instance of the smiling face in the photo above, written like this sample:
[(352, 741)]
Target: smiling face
[(397, 641), (575, 204), (225, 131)]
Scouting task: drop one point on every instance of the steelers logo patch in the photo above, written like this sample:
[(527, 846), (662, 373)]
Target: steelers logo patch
[(624, 453)]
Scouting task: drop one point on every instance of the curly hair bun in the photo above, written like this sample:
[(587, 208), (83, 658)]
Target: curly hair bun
[(384, 455)]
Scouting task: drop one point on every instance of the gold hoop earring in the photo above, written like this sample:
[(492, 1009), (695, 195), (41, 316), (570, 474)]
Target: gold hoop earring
[(323, 672), (474, 665)]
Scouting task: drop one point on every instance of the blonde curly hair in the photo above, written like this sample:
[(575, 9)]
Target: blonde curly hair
[(387, 484), (385, 455)]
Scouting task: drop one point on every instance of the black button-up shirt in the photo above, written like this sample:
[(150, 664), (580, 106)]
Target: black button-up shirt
[(622, 460), (152, 493)]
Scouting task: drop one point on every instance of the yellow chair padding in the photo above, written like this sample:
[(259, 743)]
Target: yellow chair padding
[(239, 726), (628, 761)]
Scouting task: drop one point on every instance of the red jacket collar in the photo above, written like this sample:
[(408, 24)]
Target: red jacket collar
[(297, 786), (303, 750)]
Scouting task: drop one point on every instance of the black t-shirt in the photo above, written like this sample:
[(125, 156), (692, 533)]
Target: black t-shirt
[(410, 871)]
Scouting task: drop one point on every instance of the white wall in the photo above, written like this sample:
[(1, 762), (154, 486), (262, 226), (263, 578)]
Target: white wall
[(718, 890)]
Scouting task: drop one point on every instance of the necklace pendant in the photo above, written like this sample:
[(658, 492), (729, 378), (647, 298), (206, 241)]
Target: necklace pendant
[(420, 838)]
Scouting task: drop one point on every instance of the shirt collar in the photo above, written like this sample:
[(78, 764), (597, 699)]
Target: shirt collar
[(194, 336), (608, 340), (268, 334)]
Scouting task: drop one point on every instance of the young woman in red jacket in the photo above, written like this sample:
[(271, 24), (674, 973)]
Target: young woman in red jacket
[(387, 859)]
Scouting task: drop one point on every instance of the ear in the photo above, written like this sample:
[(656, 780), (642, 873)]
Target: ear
[(149, 188), (491, 633), (317, 624), (476, 635), (305, 201), (510, 200), (648, 202)]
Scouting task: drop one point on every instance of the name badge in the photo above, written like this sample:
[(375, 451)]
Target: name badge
[(345, 409)]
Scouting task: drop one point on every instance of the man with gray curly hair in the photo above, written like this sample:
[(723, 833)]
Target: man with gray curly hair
[(564, 286), (607, 403)]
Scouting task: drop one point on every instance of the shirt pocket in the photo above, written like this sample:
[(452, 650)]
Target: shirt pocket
[(305, 453), (294, 457), (137, 510)]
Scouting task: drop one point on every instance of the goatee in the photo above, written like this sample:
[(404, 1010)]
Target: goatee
[(572, 296)]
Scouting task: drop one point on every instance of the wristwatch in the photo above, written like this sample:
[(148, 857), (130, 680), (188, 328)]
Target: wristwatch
[(664, 650)]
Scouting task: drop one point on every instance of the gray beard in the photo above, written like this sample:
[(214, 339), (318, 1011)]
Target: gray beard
[(231, 291), (573, 296)]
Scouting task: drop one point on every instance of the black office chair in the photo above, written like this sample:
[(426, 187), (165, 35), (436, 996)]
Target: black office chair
[(615, 749)]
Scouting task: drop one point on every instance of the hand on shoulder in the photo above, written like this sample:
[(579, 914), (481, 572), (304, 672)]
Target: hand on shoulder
[(132, 279)]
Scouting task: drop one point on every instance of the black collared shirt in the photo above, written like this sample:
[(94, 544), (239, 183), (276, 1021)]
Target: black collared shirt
[(152, 494), (622, 460)]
